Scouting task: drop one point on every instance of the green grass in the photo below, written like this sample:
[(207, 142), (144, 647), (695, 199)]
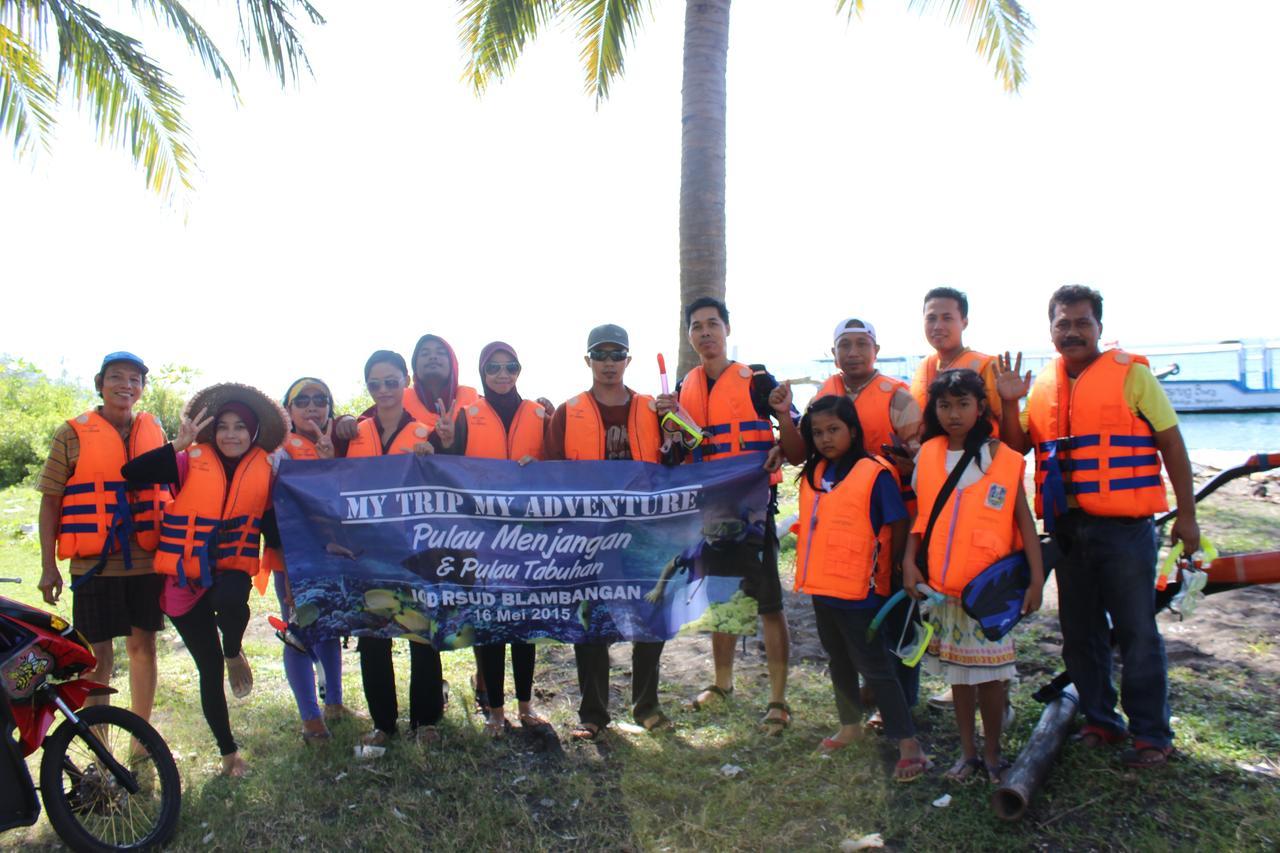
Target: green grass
[(637, 792)]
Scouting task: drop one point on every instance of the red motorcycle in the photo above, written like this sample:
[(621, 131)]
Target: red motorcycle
[(109, 781)]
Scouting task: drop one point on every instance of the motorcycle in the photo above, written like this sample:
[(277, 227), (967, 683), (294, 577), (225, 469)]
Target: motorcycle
[(108, 780)]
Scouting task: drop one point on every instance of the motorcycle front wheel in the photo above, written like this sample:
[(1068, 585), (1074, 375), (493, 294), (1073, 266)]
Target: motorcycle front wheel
[(88, 806)]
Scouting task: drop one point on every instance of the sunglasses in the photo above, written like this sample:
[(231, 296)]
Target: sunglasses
[(493, 368), (304, 400), (608, 355), (376, 385)]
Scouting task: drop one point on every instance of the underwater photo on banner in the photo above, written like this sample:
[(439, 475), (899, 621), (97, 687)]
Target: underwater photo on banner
[(457, 551)]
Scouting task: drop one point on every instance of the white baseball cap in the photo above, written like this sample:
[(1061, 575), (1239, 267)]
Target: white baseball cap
[(854, 326)]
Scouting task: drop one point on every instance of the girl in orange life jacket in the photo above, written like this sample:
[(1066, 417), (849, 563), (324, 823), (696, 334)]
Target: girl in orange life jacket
[(502, 425), (392, 430), (210, 534), (985, 518), (848, 501), (310, 406)]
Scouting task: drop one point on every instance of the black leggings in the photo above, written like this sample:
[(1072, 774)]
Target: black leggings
[(493, 660), (426, 684), (224, 608)]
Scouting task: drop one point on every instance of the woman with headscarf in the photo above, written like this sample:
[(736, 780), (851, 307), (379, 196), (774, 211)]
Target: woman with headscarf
[(309, 403), (209, 539), (390, 429), (502, 425)]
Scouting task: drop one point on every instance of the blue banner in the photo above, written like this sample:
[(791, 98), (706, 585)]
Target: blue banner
[(454, 551)]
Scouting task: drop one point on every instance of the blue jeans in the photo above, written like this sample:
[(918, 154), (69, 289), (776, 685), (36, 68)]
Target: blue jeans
[(1109, 568)]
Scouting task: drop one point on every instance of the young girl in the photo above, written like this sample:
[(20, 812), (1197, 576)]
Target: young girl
[(851, 511), (984, 519), (209, 541)]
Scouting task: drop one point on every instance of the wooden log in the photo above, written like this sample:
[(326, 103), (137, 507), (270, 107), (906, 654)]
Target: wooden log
[(1028, 773)]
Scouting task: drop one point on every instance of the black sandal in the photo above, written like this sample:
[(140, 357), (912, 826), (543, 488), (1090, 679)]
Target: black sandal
[(586, 732), (718, 693), (775, 726), (656, 722)]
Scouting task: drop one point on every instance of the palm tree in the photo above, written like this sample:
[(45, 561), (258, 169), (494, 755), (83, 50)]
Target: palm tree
[(493, 33), (133, 103)]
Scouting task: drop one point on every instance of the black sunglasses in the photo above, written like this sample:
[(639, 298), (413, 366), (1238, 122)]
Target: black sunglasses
[(493, 368), (376, 385), (304, 400), (608, 355)]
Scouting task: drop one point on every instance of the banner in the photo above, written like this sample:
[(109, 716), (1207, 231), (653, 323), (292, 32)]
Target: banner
[(454, 551)]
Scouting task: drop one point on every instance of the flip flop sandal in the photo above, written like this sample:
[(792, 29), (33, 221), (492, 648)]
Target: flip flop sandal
[(995, 772), (920, 761), (718, 696), (830, 745), (775, 726), (1144, 756), (317, 738), (659, 722), (964, 769), (1094, 737), (497, 731), (533, 721), (586, 732)]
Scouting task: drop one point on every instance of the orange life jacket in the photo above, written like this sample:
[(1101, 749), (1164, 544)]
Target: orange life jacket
[(976, 526), (872, 406), (1090, 445), (368, 440), (584, 436), (298, 447), (212, 524), (98, 511), (487, 438), (927, 371), (464, 396), (728, 418), (837, 552)]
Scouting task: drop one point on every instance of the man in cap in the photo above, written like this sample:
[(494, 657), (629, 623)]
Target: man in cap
[(610, 421), (108, 532)]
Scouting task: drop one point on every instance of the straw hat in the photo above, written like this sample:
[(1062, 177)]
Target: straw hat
[(273, 423)]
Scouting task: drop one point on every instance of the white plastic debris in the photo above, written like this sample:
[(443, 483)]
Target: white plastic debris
[(366, 753), (943, 801), (207, 838), (546, 802), (729, 771), (863, 843)]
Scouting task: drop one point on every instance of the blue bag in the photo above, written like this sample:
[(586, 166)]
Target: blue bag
[(994, 597)]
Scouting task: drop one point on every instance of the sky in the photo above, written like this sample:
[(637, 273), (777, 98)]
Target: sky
[(867, 162)]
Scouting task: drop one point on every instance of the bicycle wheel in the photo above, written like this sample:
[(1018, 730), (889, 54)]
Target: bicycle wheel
[(86, 804)]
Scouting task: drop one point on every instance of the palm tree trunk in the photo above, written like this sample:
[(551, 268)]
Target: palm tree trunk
[(702, 154)]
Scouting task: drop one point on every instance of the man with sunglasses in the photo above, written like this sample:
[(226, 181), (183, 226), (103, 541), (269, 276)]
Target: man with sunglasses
[(610, 421), (734, 403)]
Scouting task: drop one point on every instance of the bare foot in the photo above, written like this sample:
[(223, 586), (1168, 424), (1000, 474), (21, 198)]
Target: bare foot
[(234, 766)]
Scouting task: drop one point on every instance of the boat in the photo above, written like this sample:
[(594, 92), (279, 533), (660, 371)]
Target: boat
[(1229, 376)]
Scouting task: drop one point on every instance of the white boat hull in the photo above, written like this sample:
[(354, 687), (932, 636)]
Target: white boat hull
[(1219, 396)]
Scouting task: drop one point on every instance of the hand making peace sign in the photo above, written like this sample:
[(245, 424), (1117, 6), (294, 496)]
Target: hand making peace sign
[(190, 428), (445, 424)]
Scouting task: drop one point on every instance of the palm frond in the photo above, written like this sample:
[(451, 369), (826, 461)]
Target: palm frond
[(270, 26), (27, 94), (605, 28), (854, 8), (174, 15), (1002, 29), (494, 32), (129, 97)]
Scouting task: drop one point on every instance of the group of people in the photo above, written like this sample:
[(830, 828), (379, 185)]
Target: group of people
[(902, 486)]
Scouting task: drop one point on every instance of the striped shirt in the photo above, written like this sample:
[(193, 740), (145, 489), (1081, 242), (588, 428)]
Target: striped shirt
[(58, 468)]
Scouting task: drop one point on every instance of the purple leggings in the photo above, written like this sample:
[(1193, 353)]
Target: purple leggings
[(300, 669)]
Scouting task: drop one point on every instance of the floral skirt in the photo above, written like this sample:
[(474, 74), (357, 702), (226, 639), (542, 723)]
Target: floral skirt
[(961, 653)]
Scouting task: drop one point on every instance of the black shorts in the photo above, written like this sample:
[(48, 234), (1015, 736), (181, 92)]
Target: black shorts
[(109, 607), (756, 563)]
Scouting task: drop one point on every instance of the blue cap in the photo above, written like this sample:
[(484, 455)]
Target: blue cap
[(113, 357)]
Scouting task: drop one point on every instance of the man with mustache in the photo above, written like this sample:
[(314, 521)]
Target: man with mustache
[(1096, 421)]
